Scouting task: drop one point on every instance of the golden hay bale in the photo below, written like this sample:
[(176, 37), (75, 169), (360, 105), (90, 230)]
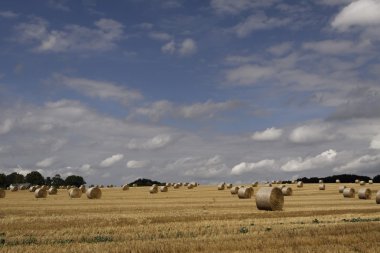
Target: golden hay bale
[(255, 184), (153, 189), (94, 193), (341, 188), (33, 188), (40, 193), (364, 193), (349, 193), (52, 191), (269, 198), (101, 186), (362, 183), (378, 197), (82, 188), (195, 184), (337, 181), (370, 181), (245, 192), (190, 186), (321, 181), (134, 185), (356, 181), (229, 186), (23, 187), (287, 191), (176, 186), (2, 193), (221, 186), (125, 187), (300, 184), (13, 188), (186, 184), (75, 193), (168, 184), (322, 187), (164, 189), (268, 185), (234, 190)]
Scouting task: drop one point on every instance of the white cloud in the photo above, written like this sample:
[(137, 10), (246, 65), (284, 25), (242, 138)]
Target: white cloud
[(336, 47), (133, 164), (333, 2), (46, 162), (6, 126), (156, 110), (207, 109), (269, 134), (99, 89), (308, 134), (185, 48), (8, 14), (156, 142), (237, 6), (111, 160), (364, 164), (160, 36), (311, 163), (104, 36), (258, 22), (248, 74), (375, 142), (280, 49), (358, 13), (248, 167)]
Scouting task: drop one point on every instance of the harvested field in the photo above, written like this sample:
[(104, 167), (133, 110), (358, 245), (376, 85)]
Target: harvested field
[(202, 219)]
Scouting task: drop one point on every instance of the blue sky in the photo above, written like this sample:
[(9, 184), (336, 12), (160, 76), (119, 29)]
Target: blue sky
[(190, 90)]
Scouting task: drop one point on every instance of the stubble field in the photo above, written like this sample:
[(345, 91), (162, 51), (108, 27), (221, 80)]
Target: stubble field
[(202, 219)]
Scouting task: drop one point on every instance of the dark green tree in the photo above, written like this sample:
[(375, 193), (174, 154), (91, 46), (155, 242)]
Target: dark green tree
[(376, 179), (3, 180), (74, 180), (35, 178), (57, 181), (48, 181), (14, 178)]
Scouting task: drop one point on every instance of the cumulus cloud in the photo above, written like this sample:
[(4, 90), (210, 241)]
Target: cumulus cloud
[(46, 162), (237, 6), (156, 110), (375, 142), (104, 36), (249, 74), (364, 164), (133, 164), (269, 134), (8, 14), (185, 48), (111, 160), (311, 163), (98, 89), (156, 142), (358, 13), (336, 47), (248, 167), (309, 134), (6, 126), (280, 49)]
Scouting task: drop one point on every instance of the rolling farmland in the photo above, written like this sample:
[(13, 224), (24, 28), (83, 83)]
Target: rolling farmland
[(202, 219)]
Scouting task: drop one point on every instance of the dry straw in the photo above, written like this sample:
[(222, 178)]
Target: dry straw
[(234, 190), (40, 193), (221, 186), (321, 181), (13, 188), (82, 188), (378, 197), (364, 193), (176, 186), (337, 181), (362, 183), (125, 187), (75, 193), (52, 191), (356, 181), (255, 184), (94, 193), (33, 188), (270, 199), (341, 188), (322, 187), (287, 191), (229, 186), (190, 186), (2, 193), (134, 185), (370, 181), (349, 193), (245, 192), (153, 189), (168, 184), (163, 189), (300, 184)]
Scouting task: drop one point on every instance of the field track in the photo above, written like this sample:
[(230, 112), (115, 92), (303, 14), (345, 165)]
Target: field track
[(202, 219)]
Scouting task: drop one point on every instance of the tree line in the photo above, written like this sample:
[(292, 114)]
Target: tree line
[(35, 178), (344, 178)]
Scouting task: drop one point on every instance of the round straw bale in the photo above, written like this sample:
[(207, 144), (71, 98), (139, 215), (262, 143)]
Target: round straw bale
[(40, 193), (164, 189), (125, 187), (322, 187), (2, 193), (94, 193), (33, 188), (82, 188), (321, 181), (186, 184), (364, 193), (168, 184), (268, 185), (134, 185), (300, 184), (245, 192), (341, 188), (378, 197), (221, 186), (287, 191), (255, 184), (234, 190), (101, 186), (362, 183), (337, 181), (229, 186), (357, 181), (190, 186), (153, 189), (176, 186), (370, 181), (75, 193), (269, 198), (13, 188), (23, 187), (52, 190), (349, 193)]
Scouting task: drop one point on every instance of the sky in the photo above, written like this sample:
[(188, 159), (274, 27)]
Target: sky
[(200, 90)]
